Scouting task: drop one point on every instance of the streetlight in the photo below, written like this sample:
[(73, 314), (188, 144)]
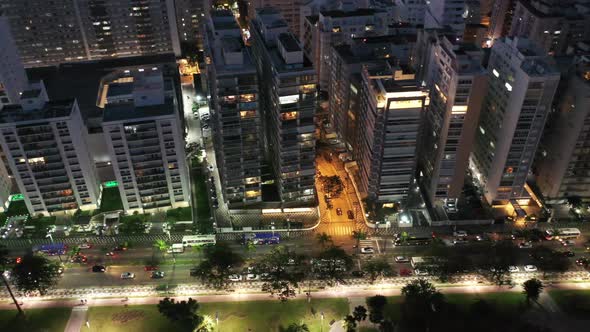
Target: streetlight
[(272, 227)]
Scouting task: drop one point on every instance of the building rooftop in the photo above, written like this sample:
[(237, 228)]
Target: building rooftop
[(271, 17), (128, 111), (51, 110), (357, 12), (289, 42), (120, 89), (313, 19)]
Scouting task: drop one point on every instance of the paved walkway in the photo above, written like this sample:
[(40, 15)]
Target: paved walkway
[(77, 319)]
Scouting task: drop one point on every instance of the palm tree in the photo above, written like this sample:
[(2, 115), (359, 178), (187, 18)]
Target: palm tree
[(162, 246), (532, 289), (358, 236), (349, 323), (3, 265), (324, 239), (296, 327)]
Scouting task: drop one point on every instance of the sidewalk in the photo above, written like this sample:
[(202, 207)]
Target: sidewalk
[(77, 319)]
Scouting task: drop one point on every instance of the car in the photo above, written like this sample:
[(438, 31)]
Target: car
[(405, 272), (402, 259), (330, 206), (358, 274), (157, 275), (350, 214), (120, 248), (367, 250), (339, 211), (235, 277), (479, 238), (513, 269), (460, 234), (419, 272), (460, 240), (85, 245), (193, 272), (99, 268), (109, 253), (265, 276), (568, 243), (569, 253), (530, 268), (252, 276), (525, 245), (127, 275), (78, 259), (150, 268), (582, 261)]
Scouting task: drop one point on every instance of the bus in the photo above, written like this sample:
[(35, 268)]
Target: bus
[(262, 238), (412, 241), (422, 261), (51, 249), (562, 233), (198, 240)]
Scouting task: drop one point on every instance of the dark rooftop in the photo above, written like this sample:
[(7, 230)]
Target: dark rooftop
[(52, 109), (289, 42), (128, 111), (31, 94), (357, 12), (118, 89)]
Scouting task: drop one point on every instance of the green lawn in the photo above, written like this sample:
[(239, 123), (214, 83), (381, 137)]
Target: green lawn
[(36, 320), (179, 214), (111, 200), (573, 302), (260, 316)]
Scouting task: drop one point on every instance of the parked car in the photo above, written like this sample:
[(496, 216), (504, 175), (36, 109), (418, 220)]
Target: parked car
[(350, 214), (99, 268), (367, 250), (127, 275), (235, 277), (402, 259), (530, 268), (339, 211), (252, 276), (513, 269), (157, 275), (419, 272), (460, 234)]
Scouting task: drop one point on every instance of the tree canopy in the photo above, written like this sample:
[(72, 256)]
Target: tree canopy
[(182, 312), (35, 273), (219, 262)]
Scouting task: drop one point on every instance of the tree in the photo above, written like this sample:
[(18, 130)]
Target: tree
[(497, 260), (574, 201), (162, 246), (422, 301), (74, 251), (376, 268), (4, 263), (386, 326), (359, 313), (332, 185), (358, 236), (296, 327), (376, 305), (331, 265), (219, 262), (349, 323), (184, 313), (35, 273), (549, 260), (324, 239), (283, 270), (532, 289)]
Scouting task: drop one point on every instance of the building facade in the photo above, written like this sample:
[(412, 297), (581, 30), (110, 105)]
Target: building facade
[(287, 85), (53, 32), (46, 150), (235, 113), (447, 13), (392, 107), (522, 82), (190, 17), (13, 79), (144, 136), (289, 9), (458, 85)]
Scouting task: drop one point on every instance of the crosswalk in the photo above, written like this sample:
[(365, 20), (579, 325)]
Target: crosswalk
[(370, 243)]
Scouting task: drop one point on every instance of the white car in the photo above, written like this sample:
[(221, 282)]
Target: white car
[(402, 259), (235, 277), (252, 276), (568, 243), (530, 268), (525, 245), (85, 245), (419, 272), (513, 269), (127, 275), (367, 250), (460, 234)]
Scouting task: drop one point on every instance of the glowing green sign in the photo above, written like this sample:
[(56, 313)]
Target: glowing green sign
[(17, 197), (110, 184)]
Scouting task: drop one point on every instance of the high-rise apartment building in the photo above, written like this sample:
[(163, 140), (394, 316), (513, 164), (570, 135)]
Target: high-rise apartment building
[(457, 83), (412, 11), (287, 84), (522, 82), (144, 135), (563, 162), (446, 13), (190, 16), (46, 150), (52, 32), (337, 27), (552, 25), (392, 106), (235, 114), (289, 9), (500, 20), (13, 79)]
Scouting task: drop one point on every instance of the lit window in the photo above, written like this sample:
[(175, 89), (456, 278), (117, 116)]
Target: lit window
[(336, 29), (495, 72), (508, 86)]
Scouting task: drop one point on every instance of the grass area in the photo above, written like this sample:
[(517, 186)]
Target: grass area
[(41, 225), (36, 320), (179, 214), (203, 218), (233, 316), (17, 208), (111, 200), (573, 302), (133, 224)]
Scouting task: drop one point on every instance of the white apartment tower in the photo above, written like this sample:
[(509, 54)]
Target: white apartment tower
[(142, 127), (45, 146), (13, 79), (446, 13), (522, 82)]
